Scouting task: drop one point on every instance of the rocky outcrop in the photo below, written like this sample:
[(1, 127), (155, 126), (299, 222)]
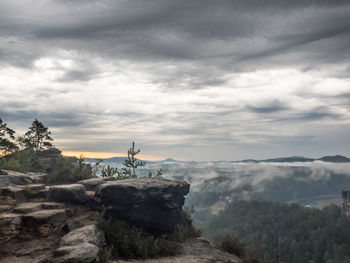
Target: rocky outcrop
[(152, 204), (57, 223)]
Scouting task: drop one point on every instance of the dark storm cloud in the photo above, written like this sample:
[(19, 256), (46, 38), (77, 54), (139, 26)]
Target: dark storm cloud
[(269, 107), (197, 30)]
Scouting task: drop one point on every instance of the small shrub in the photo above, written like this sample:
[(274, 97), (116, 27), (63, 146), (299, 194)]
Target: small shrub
[(185, 230), (69, 170), (236, 247), (130, 242), (10, 164), (231, 245)]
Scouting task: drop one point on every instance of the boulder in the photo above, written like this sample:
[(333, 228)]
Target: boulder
[(80, 253), (87, 234), (150, 203), (72, 193), (91, 184)]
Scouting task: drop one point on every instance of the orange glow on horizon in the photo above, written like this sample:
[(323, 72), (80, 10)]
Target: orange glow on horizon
[(110, 154)]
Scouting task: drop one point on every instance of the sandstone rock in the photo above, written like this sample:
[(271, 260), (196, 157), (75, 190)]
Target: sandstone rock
[(81, 253), (91, 184), (72, 193), (150, 203), (87, 234), (16, 178)]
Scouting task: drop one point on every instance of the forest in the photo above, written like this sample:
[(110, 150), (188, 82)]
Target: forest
[(284, 233)]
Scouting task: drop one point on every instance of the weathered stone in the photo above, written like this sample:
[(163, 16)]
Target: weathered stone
[(11, 226), (150, 203), (72, 193), (91, 184), (87, 234), (16, 178), (81, 253)]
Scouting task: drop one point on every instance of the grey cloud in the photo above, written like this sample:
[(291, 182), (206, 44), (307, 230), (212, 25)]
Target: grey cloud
[(269, 107)]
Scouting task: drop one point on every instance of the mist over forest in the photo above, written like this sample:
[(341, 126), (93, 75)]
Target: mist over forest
[(216, 184)]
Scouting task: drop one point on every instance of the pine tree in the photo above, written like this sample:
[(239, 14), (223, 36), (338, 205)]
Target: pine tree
[(38, 137), (7, 138), (132, 163)]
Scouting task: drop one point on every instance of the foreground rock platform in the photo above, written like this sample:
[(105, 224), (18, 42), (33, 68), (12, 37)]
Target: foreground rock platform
[(57, 224)]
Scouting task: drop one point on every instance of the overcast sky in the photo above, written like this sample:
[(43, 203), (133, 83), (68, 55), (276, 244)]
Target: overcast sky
[(192, 80)]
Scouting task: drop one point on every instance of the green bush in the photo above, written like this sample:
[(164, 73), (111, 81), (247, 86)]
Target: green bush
[(236, 247), (23, 161), (69, 170), (124, 241), (231, 245), (10, 164), (185, 230)]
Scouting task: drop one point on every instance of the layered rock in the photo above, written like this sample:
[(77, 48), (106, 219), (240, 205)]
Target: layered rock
[(150, 203)]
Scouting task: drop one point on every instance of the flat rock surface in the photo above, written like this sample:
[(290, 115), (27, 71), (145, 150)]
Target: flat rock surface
[(91, 184), (194, 251), (140, 189), (26, 208)]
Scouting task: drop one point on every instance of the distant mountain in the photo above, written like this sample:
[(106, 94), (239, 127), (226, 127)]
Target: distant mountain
[(294, 159), (335, 159), (291, 159)]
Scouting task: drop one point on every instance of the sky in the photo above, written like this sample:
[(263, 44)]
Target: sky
[(187, 79)]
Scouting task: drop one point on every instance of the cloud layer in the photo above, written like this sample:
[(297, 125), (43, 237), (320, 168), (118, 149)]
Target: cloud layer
[(203, 80)]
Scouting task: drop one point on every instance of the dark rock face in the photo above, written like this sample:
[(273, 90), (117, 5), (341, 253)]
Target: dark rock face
[(152, 204), (72, 193)]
